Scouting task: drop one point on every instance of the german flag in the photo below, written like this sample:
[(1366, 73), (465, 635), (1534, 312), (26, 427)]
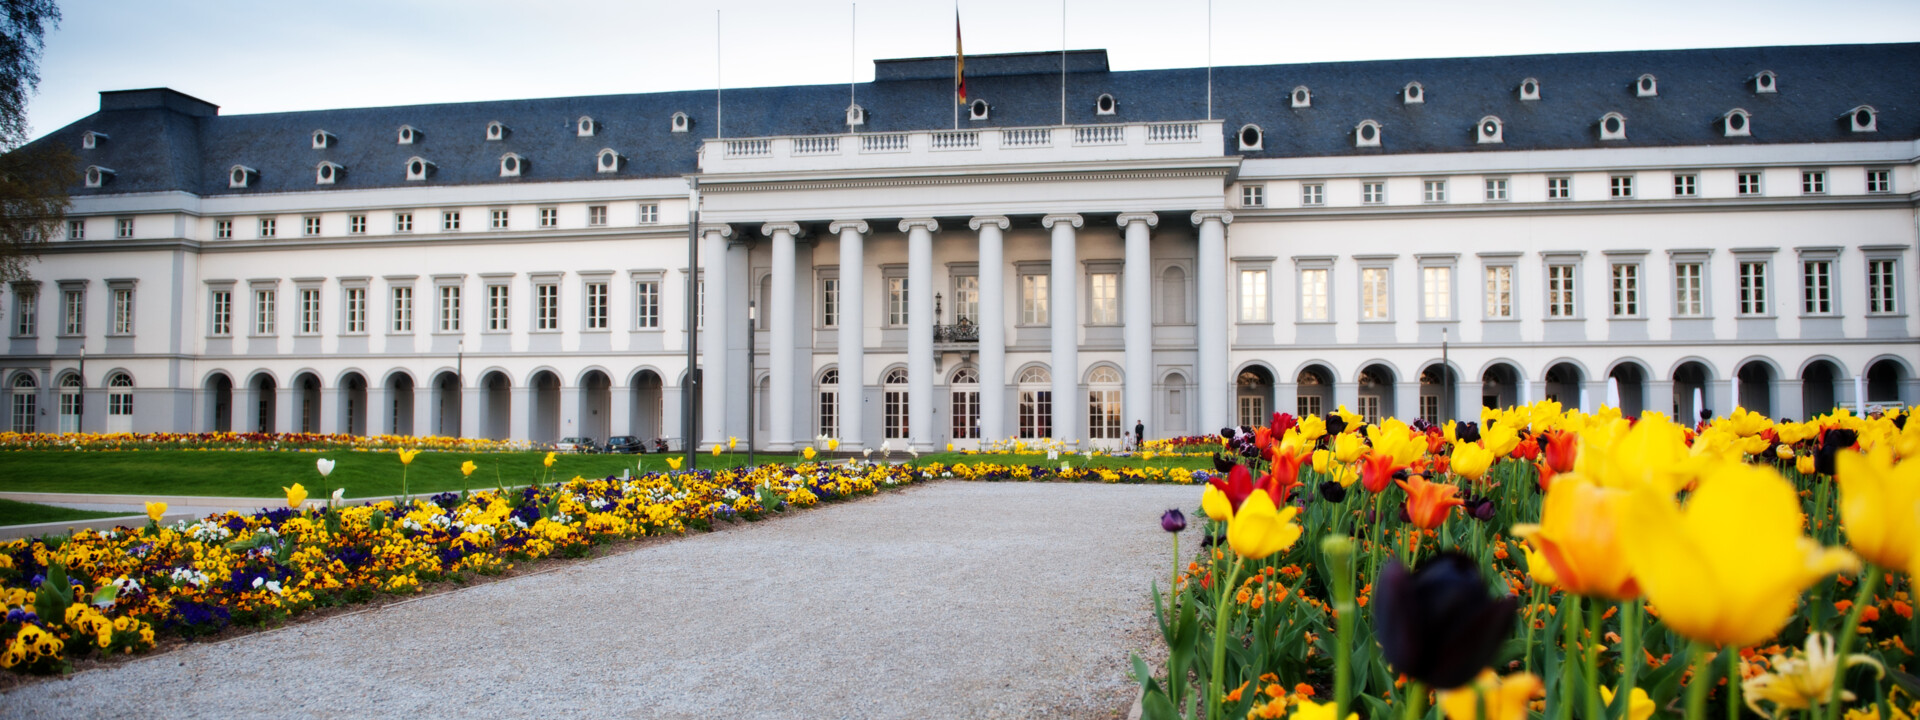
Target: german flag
[(959, 63)]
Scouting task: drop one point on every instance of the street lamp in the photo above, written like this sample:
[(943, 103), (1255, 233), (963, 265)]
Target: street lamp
[(753, 388), (1446, 377)]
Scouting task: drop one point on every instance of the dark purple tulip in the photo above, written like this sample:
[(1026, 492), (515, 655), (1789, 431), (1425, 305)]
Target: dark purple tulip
[(1831, 444), (1227, 433), (1335, 425), (1223, 465), (1438, 624), (1467, 432), (1173, 521), (1333, 492), (1480, 508)]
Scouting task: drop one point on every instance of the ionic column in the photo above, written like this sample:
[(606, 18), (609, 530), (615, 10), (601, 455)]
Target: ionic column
[(852, 332), (284, 420), (780, 326), (993, 326), (920, 423), (1210, 274), (1063, 296), (333, 409), (379, 413), (1137, 276), (713, 338)]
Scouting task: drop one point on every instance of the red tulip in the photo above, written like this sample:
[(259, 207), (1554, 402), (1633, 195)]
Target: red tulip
[(1561, 451), (1284, 473), (1238, 485)]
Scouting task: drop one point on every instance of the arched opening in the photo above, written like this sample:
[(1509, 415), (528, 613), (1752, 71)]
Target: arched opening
[(963, 393), (1439, 385), (1314, 390), (596, 407), (220, 403), (306, 409), (1563, 385), (1627, 389), (1690, 403), (895, 410), (1253, 396), (1500, 386), (496, 406), (645, 418), (1103, 407), (827, 404), (1173, 420), (1884, 380), (543, 424), (70, 402), (448, 403), (1173, 296), (400, 397), (353, 404), (119, 403), (1756, 388), (1817, 388), (1036, 402), (24, 404), (265, 402), (1376, 392)]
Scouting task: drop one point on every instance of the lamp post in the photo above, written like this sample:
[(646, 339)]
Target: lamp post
[(1446, 377), (80, 401), (459, 379), (753, 388)]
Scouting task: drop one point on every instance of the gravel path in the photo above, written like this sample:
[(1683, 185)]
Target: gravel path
[(955, 600)]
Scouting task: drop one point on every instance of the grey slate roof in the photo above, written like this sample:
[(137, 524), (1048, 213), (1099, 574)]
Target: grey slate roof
[(161, 140)]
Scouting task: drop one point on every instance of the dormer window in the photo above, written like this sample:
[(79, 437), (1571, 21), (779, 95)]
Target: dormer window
[(1366, 134), (1530, 89), (1613, 126), (98, 176), (511, 165), (1490, 130), (328, 173), (856, 116), (608, 161), (323, 139), (90, 139), (1251, 138), (1301, 97), (977, 110), (1736, 123), (240, 176), (497, 131), (585, 126), (1413, 94), (418, 168), (1765, 83), (1864, 119), (1646, 86), (408, 135), (1104, 105), (681, 122)]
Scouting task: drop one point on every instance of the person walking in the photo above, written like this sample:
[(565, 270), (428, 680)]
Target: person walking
[(1139, 434)]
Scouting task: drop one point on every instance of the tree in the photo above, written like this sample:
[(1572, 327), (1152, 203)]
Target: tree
[(33, 179)]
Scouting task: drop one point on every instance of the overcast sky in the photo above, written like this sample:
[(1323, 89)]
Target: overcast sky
[(251, 56)]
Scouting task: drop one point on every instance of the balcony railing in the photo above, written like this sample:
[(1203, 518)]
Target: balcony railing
[(983, 146), (958, 333)]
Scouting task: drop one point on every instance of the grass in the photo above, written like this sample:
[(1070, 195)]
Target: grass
[(1190, 463), (20, 513), (263, 474)]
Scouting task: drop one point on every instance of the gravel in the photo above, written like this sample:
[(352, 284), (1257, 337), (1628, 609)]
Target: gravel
[(961, 600)]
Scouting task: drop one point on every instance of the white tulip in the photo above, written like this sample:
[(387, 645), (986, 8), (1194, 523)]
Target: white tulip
[(326, 466)]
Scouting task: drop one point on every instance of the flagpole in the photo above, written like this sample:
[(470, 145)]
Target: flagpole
[(958, 58), (1063, 62), (718, 127), (853, 54), (1209, 59)]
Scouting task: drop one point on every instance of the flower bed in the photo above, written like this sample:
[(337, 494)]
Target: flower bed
[(304, 442)]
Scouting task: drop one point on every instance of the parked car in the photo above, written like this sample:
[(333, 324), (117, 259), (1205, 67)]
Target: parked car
[(576, 445), (627, 444)]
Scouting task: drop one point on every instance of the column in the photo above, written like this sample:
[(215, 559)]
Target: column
[(1210, 276), (620, 415), (473, 423), (1063, 312), (1466, 401), (379, 411), (520, 415), (713, 337), (921, 425), (1787, 399), (284, 419), (1406, 401), (780, 324), (571, 421), (1137, 301), (853, 330), (333, 409), (993, 326)]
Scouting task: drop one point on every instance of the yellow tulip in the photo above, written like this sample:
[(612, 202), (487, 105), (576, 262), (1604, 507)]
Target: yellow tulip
[(1651, 452), (1877, 501), (1505, 698), (1579, 537), (718, 448), (732, 442), (1322, 459), (833, 444), (1500, 440), (1354, 421), (1348, 447), (1744, 422), (548, 461), (949, 447), (1260, 529), (1310, 710), (155, 510), (406, 456), (1538, 569), (1804, 464), (296, 495), (1729, 568), (1311, 427), (674, 462), (1216, 505), (1639, 705), (807, 453), (1470, 460)]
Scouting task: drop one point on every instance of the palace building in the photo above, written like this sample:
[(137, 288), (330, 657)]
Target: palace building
[(1671, 231)]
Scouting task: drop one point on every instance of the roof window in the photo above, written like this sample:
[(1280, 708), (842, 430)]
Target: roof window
[(323, 139), (240, 176), (1646, 86), (497, 131), (1864, 119), (1413, 94), (585, 126), (1765, 83), (511, 164), (1104, 105), (92, 139), (328, 173), (856, 116), (1366, 134), (1251, 138), (408, 135), (977, 110), (418, 168), (98, 176), (1302, 97), (608, 161), (1530, 89), (681, 122), (1736, 123), (1490, 130), (1613, 126)]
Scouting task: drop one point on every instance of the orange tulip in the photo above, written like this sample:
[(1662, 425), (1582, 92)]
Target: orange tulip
[(1562, 448), (1429, 503), (1579, 537)]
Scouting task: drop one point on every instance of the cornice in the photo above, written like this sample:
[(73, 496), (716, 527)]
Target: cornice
[(1562, 207), (763, 185), (358, 241)]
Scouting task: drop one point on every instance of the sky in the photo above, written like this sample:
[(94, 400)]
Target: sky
[(253, 56)]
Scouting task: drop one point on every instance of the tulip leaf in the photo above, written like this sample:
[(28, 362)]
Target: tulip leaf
[(1907, 682), (105, 596), (54, 596)]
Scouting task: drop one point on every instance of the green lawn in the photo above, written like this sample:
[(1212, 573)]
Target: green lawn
[(19, 513), (263, 474), (1190, 463)]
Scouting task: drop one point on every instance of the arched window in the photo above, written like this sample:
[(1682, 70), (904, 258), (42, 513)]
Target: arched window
[(1036, 402), (119, 403), (894, 396), (1173, 296), (964, 396), (70, 403), (25, 403), (830, 403), (1103, 404)]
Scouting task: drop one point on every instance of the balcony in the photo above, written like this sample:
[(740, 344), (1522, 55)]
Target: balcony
[(958, 334), (989, 146)]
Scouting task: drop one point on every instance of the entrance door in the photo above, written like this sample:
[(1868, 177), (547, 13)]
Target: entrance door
[(964, 390)]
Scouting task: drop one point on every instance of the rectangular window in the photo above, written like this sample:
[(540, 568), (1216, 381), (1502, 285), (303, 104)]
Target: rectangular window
[(1429, 406), (1689, 290), (76, 229), (1436, 293), (26, 314), (1370, 408), (403, 222), (1307, 405), (895, 409), (73, 312), (1686, 185), (829, 410), (1313, 194), (1253, 195), (356, 310), (268, 226), (1879, 181), (1753, 288), (596, 215), (1560, 291), (24, 412), (123, 228), (1559, 188), (309, 311), (450, 308), (450, 220), (1253, 409), (123, 311), (966, 414), (1620, 187), (546, 306), (499, 307), (897, 301), (1749, 183), (264, 312), (1103, 290), (499, 219), (649, 214), (1033, 299), (1496, 189), (966, 299), (1313, 295), (549, 217), (1813, 182), (1816, 287), (1882, 292), (1103, 414), (222, 230), (1373, 193), (1436, 191), (1373, 293), (597, 310), (220, 312), (1499, 291), (403, 310), (1626, 290), (310, 226), (356, 224), (646, 305), (1253, 296), (829, 302)]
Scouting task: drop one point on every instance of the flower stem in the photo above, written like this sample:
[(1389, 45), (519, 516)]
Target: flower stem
[(1216, 684), (1416, 700), (1563, 706), (1733, 684), (1593, 612), (1630, 634), (1533, 600), (1173, 584), (1867, 585), (1343, 651), (1702, 680)]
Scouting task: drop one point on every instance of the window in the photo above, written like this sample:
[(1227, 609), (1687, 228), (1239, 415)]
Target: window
[(1253, 296), (25, 410), (1103, 404), (356, 224), (1749, 183), (356, 310), (264, 311), (966, 299), (1620, 187), (1496, 188), (1253, 410), (222, 230), (76, 229), (1882, 297), (1429, 406), (1753, 288), (1313, 295), (311, 226), (450, 308), (73, 312), (830, 403), (1436, 191), (1373, 193), (119, 397), (829, 302), (123, 311), (646, 305), (1559, 188), (1686, 185), (1816, 287), (1499, 291), (1103, 291), (597, 310), (123, 228), (1033, 300), (1813, 182), (1313, 194), (895, 404), (897, 301), (1253, 195), (965, 401), (267, 227), (450, 220), (498, 307), (546, 306), (1689, 290), (1560, 291), (1436, 293), (403, 222), (549, 217), (649, 213), (1626, 290), (1373, 293), (700, 303), (309, 311), (220, 311), (597, 215), (1307, 406), (403, 310), (1879, 181), (499, 218), (1369, 408), (1036, 403)]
